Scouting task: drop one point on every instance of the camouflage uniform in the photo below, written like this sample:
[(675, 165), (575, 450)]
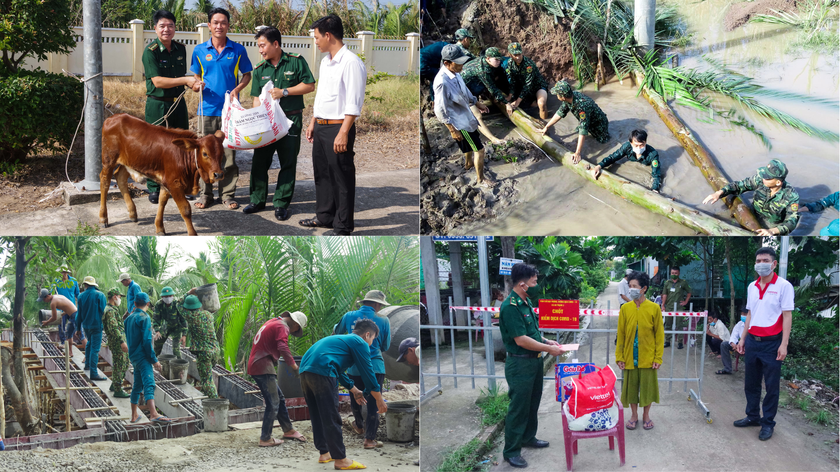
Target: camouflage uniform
[(649, 157), (593, 121), (204, 346), (481, 77), (466, 52), (780, 210), (112, 324), (675, 291), (525, 80), (169, 322), (460, 34)]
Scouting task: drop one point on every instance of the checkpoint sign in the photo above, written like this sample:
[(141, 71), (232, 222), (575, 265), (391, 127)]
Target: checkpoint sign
[(559, 314), (505, 264)]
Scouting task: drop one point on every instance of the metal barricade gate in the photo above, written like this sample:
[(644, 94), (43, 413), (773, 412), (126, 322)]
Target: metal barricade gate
[(580, 336)]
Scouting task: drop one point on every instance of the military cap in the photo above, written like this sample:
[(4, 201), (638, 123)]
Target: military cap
[(453, 53), (514, 48), (561, 88), (493, 52), (114, 291), (167, 292), (775, 169), (463, 33), (141, 298), (192, 303)]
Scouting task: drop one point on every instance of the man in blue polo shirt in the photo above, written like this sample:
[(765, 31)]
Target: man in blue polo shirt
[(68, 287), (217, 64)]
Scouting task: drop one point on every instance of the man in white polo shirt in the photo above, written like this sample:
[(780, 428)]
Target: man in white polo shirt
[(332, 132), (769, 305)]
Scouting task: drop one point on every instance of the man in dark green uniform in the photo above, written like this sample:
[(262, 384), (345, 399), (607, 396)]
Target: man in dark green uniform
[(168, 322), (775, 201), (523, 366), (526, 82), (635, 150), (292, 80), (463, 39), (480, 77), (593, 120), (675, 291), (165, 66)]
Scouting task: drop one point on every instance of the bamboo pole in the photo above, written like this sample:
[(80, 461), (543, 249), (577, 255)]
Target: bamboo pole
[(67, 384), (2, 406), (630, 191), (700, 155)]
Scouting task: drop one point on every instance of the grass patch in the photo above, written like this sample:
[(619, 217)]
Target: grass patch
[(464, 459), (494, 405), (822, 417), (84, 229)]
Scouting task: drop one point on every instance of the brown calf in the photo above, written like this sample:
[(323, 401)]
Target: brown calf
[(174, 158)]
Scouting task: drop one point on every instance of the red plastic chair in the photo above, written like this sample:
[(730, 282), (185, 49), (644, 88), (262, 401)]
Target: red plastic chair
[(570, 438)]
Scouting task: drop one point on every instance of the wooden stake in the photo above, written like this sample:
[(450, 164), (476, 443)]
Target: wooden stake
[(67, 384)]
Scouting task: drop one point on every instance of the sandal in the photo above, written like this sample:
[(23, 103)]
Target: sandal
[(354, 466), (162, 419), (137, 420), (299, 437), (326, 461), (648, 425), (357, 429), (312, 223), (378, 444), (203, 202), (274, 442), (723, 372), (631, 425), (232, 204)]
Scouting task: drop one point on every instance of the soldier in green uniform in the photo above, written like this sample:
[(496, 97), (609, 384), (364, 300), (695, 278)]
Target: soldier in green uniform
[(635, 150), (480, 77), (775, 201), (526, 82), (203, 345), (463, 39), (292, 79), (593, 120), (524, 366), (112, 324), (165, 66), (168, 322), (675, 291)]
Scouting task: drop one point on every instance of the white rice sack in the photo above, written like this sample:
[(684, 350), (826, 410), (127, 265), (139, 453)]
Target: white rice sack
[(255, 127), (596, 421)]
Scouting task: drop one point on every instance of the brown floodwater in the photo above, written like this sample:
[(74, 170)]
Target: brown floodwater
[(556, 201)]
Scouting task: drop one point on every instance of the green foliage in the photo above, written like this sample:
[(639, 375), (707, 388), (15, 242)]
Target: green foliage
[(493, 404), (673, 251), (812, 350), (84, 229), (33, 28), (814, 20), (464, 459), (822, 417), (560, 267), (811, 256), (37, 109)]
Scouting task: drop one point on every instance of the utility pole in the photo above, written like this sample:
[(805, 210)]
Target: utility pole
[(484, 275), (644, 17), (783, 257), (430, 276), (92, 17)]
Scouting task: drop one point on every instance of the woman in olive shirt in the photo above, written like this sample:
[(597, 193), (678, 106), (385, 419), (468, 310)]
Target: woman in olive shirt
[(638, 351)]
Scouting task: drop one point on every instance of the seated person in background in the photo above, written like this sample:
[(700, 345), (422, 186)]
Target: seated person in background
[(734, 338), (635, 150), (593, 120), (833, 200), (716, 333)]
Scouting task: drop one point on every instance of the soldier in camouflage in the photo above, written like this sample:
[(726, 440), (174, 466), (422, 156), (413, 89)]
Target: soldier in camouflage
[(593, 121), (774, 201), (526, 82), (203, 346), (833, 200), (168, 322), (635, 150), (463, 39), (480, 77), (115, 333)]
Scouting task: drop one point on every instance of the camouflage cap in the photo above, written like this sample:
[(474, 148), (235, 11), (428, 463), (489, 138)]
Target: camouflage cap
[(775, 169), (561, 88), (493, 52), (114, 291), (515, 48), (463, 33)]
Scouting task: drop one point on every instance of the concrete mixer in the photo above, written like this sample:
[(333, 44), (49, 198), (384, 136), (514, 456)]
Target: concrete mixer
[(405, 323)]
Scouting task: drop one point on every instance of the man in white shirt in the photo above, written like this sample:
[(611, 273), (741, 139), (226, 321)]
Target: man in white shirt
[(770, 303), (734, 338), (338, 103), (624, 289), (716, 333)]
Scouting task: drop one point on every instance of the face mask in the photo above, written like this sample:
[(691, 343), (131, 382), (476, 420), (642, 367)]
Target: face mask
[(533, 292), (168, 300), (635, 293), (674, 277), (712, 323), (744, 319), (638, 150), (764, 268)]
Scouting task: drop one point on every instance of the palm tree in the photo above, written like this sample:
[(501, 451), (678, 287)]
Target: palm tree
[(147, 263)]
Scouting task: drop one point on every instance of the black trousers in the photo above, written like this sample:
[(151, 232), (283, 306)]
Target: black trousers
[(321, 395), (371, 423), (335, 178), (760, 362), (713, 343)]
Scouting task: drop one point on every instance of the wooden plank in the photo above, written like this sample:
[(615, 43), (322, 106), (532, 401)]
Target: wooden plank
[(36, 367), (40, 377), (30, 356), (175, 402), (98, 408)]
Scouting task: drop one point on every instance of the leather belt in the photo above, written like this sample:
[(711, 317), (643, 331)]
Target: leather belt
[(766, 338), (160, 99), (526, 356), (328, 122), (293, 112)]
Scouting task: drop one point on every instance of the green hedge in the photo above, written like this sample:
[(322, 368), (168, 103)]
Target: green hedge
[(811, 349), (37, 110)]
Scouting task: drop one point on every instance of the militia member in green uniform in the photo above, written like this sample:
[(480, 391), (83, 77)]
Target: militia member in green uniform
[(292, 79), (168, 322), (480, 77), (165, 67), (526, 82), (463, 38), (112, 324), (523, 366), (675, 291), (203, 345), (775, 201), (635, 150), (593, 120)]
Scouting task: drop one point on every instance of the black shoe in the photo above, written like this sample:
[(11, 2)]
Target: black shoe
[(281, 214), (679, 346), (517, 461), (667, 344), (536, 443), (99, 378), (251, 208), (744, 422), (336, 232), (190, 197), (153, 198), (766, 433)]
